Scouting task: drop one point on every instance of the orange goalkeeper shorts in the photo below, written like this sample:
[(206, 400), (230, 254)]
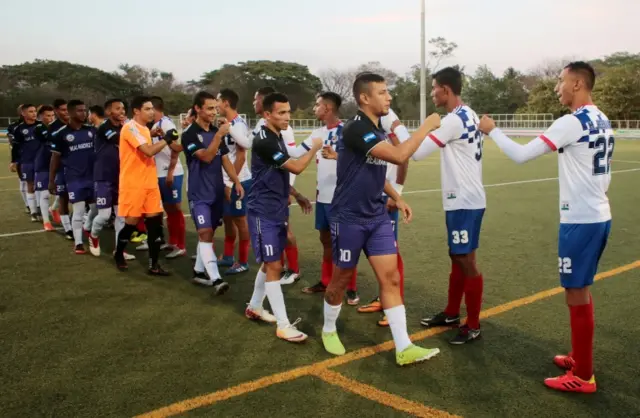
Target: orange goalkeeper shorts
[(135, 203)]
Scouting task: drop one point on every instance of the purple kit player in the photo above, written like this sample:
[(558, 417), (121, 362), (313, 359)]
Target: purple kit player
[(60, 207), (267, 212), (73, 146), (206, 154), (42, 162), (28, 138), (359, 219)]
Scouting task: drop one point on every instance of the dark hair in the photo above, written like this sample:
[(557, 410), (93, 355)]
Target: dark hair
[(27, 106), (263, 91), (57, 103), (157, 103), (45, 108), (74, 103), (273, 98), (331, 97), (230, 96), (361, 85), (97, 110), (110, 103), (451, 78), (139, 101), (201, 97), (585, 70)]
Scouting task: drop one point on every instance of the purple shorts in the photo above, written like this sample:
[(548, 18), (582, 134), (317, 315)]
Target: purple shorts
[(42, 181), (268, 238), (106, 194), (348, 240), (27, 172), (206, 214), (80, 191)]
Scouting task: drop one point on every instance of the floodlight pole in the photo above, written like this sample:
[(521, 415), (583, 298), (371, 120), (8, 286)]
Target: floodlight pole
[(423, 73)]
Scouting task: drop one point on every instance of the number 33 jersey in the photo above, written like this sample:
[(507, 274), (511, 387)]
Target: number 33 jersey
[(584, 141)]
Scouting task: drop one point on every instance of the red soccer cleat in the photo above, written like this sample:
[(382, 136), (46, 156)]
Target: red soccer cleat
[(571, 383), (48, 227), (55, 215), (564, 362)]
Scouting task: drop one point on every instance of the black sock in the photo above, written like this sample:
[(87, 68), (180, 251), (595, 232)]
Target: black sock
[(123, 239), (154, 232)]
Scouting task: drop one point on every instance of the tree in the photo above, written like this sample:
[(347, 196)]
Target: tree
[(617, 92), (340, 82), (543, 99)]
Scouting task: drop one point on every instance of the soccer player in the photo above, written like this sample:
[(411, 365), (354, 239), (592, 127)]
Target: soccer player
[(359, 220), (60, 209), (96, 116), (207, 155), (72, 146), (463, 199), (235, 208), (138, 191), (28, 138), (584, 141), (42, 163), (23, 184), (170, 178), (267, 204)]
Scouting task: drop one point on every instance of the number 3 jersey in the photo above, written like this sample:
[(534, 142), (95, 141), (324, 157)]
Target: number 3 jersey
[(460, 160), (584, 141)]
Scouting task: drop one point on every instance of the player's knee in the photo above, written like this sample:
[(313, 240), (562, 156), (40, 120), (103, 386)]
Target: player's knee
[(577, 296), (205, 235), (273, 270), (325, 239)]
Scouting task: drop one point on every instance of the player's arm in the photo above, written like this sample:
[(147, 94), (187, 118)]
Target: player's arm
[(402, 206), (403, 169), (16, 148), (401, 154), (239, 133), (57, 146), (450, 128), (152, 149), (290, 141), (271, 154), (41, 133)]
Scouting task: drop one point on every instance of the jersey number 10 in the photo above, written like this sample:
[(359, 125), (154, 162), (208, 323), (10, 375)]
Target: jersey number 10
[(602, 157)]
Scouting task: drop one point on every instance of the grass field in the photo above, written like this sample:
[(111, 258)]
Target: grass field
[(80, 339)]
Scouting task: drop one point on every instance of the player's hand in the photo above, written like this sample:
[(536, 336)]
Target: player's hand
[(157, 131), (304, 204), (432, 122), (223, 129), (391, 205), (239, 190), (52, 187), (221, 121), (316, 143), (227, 194), (329, 153), (486, 125), (171, 136), (13, 167), (406, 211)]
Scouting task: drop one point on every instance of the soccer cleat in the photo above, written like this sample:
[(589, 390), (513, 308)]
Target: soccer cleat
[(201, 275), (94, 245), (237, 268), (415, 354), (373, 306), (291, 333), (48, 227), (564, 362), (384, 322), (166, 247), (175, 253), (332, 343), (121, 263), (158, 271), (260, 315), (139, 237), (202, 280), (55, 215), (142, 247), (129, 257), (571, 383), (289, 277), (226, 261), (79, 249), (86, 233), (352, 297), (316, 288), (220, 287), (69, 235), (194, 257), (466, 335), (34, 218), (441, 320)]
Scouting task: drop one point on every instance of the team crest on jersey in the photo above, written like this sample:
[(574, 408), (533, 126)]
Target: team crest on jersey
[(70, 137), (90, 134), (25, 131), (200, 138), (451, 195), (564, 206)]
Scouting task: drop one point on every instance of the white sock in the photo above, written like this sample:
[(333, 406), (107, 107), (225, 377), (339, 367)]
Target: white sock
[(56, 203), (257, 299), (205, 249), (76, 222), (23, 192), (276, 300), (118, 223), (397, 318), (66, 223), (91, 215), (44, 206), (100, 221), (31, 202), (37, 194), (199, 266), (331, 314)]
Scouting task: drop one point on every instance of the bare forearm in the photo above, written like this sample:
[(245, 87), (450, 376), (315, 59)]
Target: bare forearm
[(241, 157), (390, 191), (229, 169), (54, 164)]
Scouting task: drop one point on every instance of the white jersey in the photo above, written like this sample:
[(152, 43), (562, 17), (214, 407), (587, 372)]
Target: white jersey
[(238, 132), (327, 169), (584, 141), (289, 138), (163, 158), (460, 160)]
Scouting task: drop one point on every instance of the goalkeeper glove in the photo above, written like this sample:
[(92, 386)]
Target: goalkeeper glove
[(171, 136)]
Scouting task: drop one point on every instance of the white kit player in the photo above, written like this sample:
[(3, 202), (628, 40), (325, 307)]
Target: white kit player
[(463, 199), (584, 142)]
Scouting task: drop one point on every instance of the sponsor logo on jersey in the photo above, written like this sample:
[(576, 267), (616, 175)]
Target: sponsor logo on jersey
[(369, 137), (278, 156)]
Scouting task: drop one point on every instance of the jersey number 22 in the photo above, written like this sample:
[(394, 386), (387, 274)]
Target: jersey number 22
[(602, 157)]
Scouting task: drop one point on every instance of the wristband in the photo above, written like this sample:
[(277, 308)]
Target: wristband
[(398, 188), (170, 136)]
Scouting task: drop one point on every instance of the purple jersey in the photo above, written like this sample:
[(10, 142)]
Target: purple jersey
[(205, 179), (269, 194), (76, 148), (360, 177), (27, 141), (107, 158)]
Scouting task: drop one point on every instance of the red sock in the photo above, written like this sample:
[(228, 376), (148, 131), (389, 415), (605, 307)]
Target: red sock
[(292, 258), (243, 251), (353, 282), (456, 290), (326, 271), (282, 259), (141, 227), (181, 231), (229, 246), (401, 270), (172, 225), (473, 299), (582, 326)]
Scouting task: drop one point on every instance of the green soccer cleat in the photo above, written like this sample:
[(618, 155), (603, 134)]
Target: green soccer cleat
[(332, 343), (415, 354)]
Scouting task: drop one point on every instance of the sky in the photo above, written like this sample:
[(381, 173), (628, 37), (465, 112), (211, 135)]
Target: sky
[(191, 37)]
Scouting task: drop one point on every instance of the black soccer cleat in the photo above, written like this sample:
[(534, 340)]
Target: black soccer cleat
[(158, 271), (121, 263), (466, 335), (220, 287), (441, 320), (69, 235)]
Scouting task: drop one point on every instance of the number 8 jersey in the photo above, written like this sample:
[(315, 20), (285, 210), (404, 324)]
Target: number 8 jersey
[(584, 141)]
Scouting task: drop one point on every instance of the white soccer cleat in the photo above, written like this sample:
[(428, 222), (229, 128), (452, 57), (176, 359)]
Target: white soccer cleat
[(291, 333), (290, 277), (260, 315), (165, 247), (94, 246), (177, 252), (143, 247), (129, 257), (203, 281)]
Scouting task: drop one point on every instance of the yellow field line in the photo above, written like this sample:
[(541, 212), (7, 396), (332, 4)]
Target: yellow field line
[(385, 398), (316, 368)]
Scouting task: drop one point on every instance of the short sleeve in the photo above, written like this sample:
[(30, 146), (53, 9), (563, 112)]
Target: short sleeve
[(57, 142), (41, 132), (132, 135), (289, 137), (563, 132), (223, 149), (269, 152), (450, 128), (190, 142), (360, 137), (109, 134), (239, 132), (387, 121)]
